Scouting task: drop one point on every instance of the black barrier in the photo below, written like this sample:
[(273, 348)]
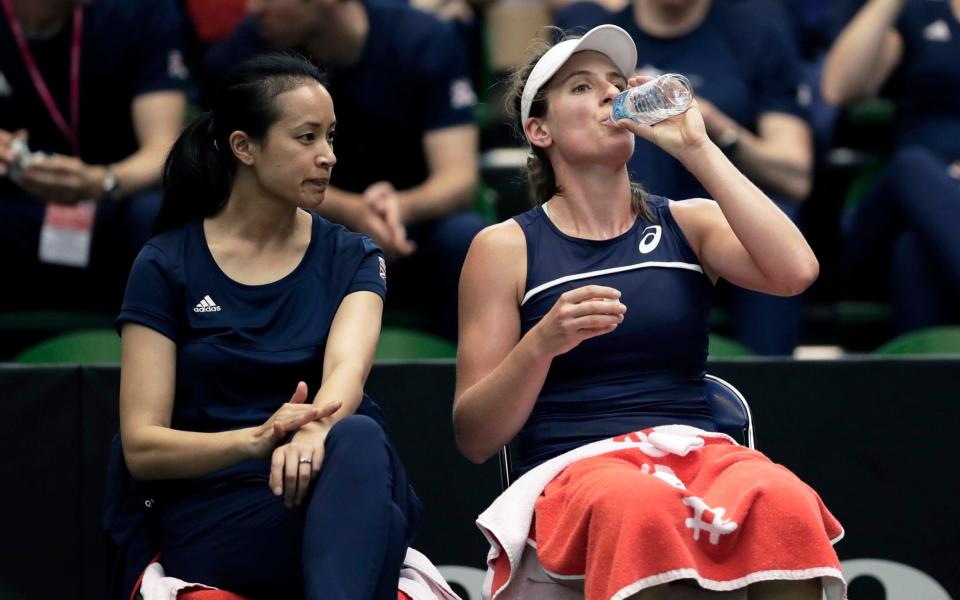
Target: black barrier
[(873, 436)]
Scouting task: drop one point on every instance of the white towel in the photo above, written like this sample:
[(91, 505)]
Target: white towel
[(419, 579), (156, 585)]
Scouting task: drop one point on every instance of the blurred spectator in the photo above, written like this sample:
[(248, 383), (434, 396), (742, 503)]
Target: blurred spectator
[(466, 16), (209, 22), (904, 232), (214, 20), (97, 88), (814, 25), (747, 80), (407, 155)]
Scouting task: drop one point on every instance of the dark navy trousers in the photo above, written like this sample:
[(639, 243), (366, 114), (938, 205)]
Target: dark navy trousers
[(428, 279), (769, 325), (119, 231), (904, 236), (346, 541)]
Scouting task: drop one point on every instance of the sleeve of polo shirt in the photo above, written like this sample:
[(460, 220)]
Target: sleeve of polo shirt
[(371, 273), (776, 84), (448, 92), (158, 44), (151, 292)]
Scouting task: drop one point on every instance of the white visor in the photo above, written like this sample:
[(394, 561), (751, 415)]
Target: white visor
[(609, 40)]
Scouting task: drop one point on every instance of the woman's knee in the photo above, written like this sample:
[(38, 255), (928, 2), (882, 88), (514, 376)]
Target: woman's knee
[(783, 494), (634, 492), (912, 158), (911, 169), (356, 432)]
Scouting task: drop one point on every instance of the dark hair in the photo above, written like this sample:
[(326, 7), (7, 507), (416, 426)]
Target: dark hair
[(539, 171), (198, 173)]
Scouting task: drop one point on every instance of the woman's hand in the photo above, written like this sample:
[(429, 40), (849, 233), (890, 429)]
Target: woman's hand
[(578, 315), (677, 135), (382, 200), (7, 157), (295, 464), (62, 179), (289, 418)]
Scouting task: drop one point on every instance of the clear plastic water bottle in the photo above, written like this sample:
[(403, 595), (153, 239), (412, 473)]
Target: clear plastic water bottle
[(658, 99)]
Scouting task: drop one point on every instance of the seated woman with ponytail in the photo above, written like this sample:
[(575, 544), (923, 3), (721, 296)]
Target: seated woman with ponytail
[(249, 327)]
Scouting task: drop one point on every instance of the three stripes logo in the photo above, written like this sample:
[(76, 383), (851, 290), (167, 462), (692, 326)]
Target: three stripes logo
[(206, 305)]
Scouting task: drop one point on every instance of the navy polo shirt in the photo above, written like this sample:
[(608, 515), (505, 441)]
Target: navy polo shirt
[(735, 58), (241, 349), (128, 49), (927, 89), (412, 78)]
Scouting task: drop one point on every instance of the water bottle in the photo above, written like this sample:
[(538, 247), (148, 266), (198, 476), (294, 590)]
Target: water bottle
[(658, 99)]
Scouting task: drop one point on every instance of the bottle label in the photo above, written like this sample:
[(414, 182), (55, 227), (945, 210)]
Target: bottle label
[(619, 110)]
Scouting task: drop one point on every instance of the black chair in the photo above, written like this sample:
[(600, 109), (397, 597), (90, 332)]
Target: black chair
[(731, 414)]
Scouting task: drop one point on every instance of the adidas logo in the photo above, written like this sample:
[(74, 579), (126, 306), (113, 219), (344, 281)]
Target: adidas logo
[(206, 305)]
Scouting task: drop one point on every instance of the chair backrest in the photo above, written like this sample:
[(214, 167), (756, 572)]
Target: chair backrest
[(729, 408)]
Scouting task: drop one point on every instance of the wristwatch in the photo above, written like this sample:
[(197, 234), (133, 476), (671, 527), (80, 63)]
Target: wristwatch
[(729, 140), (111, 186)]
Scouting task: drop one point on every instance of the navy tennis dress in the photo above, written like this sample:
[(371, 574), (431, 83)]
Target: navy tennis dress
[(649, 370), (241, 349)]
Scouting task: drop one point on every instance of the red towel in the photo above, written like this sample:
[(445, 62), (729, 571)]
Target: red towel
[(202, 594), (723, 515)]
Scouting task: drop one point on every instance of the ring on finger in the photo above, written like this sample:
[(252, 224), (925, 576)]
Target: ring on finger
[(305, 460)]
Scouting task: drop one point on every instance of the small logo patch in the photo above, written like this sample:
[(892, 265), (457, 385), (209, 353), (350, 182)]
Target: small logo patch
[(649, 239), (938, 31), (206, 305), (461, 94), (383, 268), (176, 67)]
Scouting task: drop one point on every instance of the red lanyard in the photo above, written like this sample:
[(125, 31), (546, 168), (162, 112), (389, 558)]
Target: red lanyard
[(71, 130)]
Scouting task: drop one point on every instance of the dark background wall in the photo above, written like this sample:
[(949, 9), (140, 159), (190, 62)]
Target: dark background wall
[(873, 436)]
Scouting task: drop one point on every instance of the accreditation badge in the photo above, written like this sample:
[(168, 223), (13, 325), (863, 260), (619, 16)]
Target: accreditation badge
[(66, 234)]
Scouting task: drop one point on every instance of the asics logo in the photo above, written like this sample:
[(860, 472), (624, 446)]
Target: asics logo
[(649, 239)]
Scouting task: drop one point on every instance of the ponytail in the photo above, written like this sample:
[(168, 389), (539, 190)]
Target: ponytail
[(196, 176)]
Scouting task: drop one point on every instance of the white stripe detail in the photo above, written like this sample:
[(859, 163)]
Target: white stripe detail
[(556, 282), (210, 300), (834, 585), (203, 302)]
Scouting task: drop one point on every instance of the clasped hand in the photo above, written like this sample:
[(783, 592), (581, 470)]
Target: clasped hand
[(384, 221), (54, 178), (295, 464)]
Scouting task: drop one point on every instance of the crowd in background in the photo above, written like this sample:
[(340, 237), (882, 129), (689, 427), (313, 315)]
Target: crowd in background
[(788, 90)]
